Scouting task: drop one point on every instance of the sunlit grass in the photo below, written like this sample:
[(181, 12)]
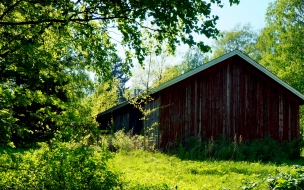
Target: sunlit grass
[(140, 168), (145, 170)]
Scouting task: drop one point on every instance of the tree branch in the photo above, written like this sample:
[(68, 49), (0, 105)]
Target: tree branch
[(59, 20)]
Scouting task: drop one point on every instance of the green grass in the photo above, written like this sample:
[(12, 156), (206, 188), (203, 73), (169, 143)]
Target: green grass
[(141, 170)]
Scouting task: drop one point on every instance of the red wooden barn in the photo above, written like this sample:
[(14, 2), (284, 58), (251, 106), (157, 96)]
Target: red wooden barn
[(231, 95)]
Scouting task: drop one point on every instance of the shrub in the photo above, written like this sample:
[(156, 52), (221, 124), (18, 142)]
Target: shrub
[(60, 166), (265, 150), (125, 142)]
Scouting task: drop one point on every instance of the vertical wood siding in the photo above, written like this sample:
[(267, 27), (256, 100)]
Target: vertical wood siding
[(127, 118), (153, 117), (230, 98), (121, 121)]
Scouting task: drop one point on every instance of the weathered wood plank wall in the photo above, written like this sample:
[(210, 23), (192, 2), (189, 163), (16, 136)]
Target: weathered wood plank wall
[(230, 98), (153, 118), (127, 118)]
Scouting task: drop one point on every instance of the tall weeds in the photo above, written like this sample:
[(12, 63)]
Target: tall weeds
[(237, 149), (121, 141)]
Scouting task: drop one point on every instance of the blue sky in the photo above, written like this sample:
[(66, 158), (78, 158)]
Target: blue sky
[(248, 11), (252, 11)]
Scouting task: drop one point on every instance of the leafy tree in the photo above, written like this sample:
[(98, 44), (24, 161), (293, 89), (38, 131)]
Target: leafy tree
[(243, 38), (282, 43), (48, 46), (104, 97), (161, 62), (151, 74), (171, 73), (192, 59)]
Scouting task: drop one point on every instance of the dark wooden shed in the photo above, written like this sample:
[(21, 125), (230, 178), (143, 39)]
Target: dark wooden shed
[(231, 95)]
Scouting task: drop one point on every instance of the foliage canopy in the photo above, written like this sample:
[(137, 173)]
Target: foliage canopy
[(243, 38), (47, 48), (281, 41)]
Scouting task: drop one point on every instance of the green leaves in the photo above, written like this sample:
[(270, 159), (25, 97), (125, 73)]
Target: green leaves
[(281, 41), (48, 49), (243, 38), (293, 179), (104, 97), (192, 59), (62, 165)]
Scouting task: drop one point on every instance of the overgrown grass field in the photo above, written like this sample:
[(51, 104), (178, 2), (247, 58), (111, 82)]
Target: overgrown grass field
[(142, 170), (120, 162)]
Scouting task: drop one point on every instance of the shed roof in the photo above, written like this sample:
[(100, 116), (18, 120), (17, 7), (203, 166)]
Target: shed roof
[(210, 64)]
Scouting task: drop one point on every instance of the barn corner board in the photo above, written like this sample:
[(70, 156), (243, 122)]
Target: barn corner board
[(231, 95)]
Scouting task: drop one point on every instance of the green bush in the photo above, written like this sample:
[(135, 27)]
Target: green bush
[(60, 166), (264, 150)]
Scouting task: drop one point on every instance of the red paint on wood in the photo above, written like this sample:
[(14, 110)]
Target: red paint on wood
[(230, 98)]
